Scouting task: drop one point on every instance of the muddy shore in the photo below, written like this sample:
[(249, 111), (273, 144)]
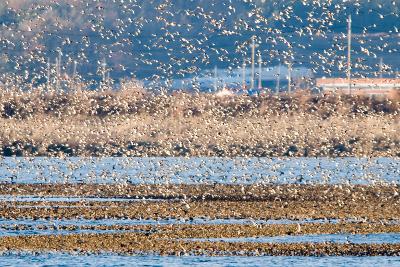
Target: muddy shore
[(211, 201), (232, 192), (179, 231), (388, 210), (357, 209), (132, 243)]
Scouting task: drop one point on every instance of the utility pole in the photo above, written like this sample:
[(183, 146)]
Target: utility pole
[(57, 74), (253, 50), (58, 69), (381, 68), (259, 72), (215, 79), (74, 70), (48, 73), (278, 79), (349, 53), (103, 72), (59, 62), (74, 76), (289, 77), (244, 75)]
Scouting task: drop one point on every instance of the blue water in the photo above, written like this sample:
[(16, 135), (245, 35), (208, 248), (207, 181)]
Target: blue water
[(192, 171), (200, 170), (30, 260)]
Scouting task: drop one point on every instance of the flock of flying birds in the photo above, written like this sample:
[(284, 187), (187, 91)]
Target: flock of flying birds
[(159, 40), (44, 43), (200, 170), (162, 40)]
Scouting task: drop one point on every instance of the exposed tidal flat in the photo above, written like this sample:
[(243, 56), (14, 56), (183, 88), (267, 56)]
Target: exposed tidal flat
[(119, 145), (362, 202), (199, 207), (230, 220)]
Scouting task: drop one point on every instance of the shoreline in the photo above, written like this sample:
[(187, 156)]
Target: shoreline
[(142, 244), (371, 202), (356, 209)]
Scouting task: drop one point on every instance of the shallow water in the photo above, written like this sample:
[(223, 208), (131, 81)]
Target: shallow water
[(190, 171), (200, 170), (378, 238), (58, 259)]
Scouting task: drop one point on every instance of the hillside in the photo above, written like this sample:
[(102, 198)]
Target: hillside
[(161, 39)]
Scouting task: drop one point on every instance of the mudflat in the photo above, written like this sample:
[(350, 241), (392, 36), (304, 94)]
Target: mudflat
[(341, 209)]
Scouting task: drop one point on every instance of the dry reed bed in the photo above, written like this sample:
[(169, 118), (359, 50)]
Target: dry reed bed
[(21, 105), (134, 123)]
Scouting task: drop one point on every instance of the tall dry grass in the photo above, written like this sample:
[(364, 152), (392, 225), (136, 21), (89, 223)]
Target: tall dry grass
[(133, 122), (21, 105)]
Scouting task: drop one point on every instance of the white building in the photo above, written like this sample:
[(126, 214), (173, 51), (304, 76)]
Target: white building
[(360, 86), (239, 79)]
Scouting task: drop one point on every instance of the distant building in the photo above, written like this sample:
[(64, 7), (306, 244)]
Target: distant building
[(240, 79), (360, 86)]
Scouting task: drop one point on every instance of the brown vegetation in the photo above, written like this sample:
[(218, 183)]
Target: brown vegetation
[(134, 123)]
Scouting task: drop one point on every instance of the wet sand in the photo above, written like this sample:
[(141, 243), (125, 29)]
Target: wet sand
[(226, 230), (388, 210), (374, 207), (132, 243), (253, 192), (213, 201)]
